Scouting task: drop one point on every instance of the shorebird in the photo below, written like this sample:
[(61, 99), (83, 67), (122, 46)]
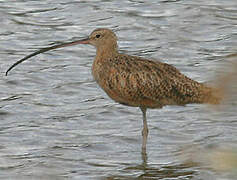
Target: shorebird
[(136, 81)]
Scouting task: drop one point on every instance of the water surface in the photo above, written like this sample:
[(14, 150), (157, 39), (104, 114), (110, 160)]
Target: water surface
[(56, 123)]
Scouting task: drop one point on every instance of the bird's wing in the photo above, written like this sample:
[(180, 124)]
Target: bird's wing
[(144, 80)]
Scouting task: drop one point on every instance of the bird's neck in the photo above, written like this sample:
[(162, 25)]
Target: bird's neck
[(106, 52)]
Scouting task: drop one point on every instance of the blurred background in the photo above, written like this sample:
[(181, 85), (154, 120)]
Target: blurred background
[(56, 123)]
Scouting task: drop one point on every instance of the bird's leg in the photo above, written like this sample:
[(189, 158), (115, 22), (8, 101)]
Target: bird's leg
[(145, 130)]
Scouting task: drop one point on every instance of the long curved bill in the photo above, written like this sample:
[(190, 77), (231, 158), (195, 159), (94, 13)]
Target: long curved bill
[(83, 41)]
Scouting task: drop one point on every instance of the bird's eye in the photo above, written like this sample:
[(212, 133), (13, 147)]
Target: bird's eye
[(97, 36)]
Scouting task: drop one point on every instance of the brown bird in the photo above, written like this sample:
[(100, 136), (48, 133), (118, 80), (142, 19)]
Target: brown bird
[(138, 82)]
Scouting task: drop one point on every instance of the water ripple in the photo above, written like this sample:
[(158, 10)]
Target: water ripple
[(55, 121)]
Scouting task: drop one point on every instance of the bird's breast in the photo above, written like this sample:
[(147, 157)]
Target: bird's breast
[(105, 74), (96, 69), (101, 73)]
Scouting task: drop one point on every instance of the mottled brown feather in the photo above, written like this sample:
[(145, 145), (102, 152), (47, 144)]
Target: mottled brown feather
[(140, 82), (136, 81)]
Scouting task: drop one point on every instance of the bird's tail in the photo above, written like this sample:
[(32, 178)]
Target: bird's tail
[(213, 95), (225, 87)]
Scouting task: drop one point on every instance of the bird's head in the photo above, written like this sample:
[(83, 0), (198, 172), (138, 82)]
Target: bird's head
[(103, 39)]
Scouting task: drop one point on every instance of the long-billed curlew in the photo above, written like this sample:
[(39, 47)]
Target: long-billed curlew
[(138, 82)]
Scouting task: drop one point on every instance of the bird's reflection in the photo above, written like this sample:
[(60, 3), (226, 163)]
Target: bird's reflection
[(146, 171)]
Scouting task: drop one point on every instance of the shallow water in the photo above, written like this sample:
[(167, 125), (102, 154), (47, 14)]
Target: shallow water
[(56, 123)]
